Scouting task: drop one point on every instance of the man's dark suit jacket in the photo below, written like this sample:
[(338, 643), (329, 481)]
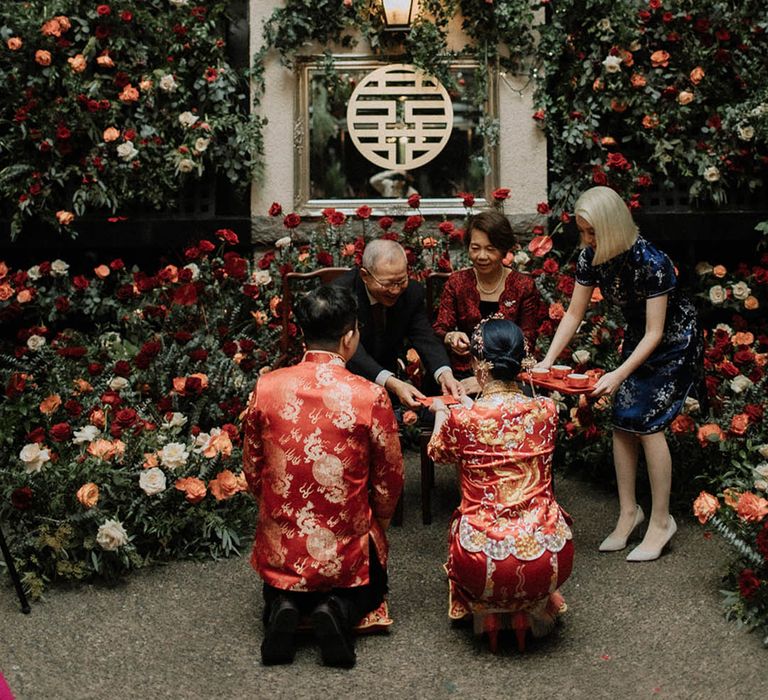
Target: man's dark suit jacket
[(407, 318)]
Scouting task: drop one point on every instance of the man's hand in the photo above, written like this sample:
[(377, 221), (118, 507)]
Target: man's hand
[(451, 385), (407, 393), (471, 385)]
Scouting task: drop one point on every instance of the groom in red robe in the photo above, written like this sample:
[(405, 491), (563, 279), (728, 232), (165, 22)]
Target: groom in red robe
[(322, 457)]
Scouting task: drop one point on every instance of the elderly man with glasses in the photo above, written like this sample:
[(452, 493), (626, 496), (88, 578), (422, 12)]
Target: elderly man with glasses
[(391, 309)]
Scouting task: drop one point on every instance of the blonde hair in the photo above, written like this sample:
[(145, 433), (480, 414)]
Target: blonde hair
[(605, 211)]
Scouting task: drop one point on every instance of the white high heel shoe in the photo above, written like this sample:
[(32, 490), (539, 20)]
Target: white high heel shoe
[(640, 554), (614, 543)]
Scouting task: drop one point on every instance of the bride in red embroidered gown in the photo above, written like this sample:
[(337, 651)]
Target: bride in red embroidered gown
[(510, 545)]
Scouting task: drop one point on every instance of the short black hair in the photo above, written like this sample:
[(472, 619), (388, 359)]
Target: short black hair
[(494, 225), (325, 314)]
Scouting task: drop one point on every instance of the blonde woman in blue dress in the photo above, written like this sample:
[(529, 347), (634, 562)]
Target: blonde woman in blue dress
[(660, 356)]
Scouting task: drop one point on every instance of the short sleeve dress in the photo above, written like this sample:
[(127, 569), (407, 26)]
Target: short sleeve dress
[(650, 398)]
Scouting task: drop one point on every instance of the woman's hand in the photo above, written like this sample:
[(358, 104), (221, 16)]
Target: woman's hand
[(438, 405), (608, 384), (458, 342), (544, 364)]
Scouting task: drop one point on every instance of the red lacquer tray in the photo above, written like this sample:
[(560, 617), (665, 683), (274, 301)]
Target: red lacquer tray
[(560, 385)]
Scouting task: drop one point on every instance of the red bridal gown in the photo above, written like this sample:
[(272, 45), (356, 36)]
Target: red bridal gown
[(510, 544)]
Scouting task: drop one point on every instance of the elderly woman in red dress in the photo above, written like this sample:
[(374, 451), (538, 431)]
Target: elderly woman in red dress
[(486, 288), (510, 545)]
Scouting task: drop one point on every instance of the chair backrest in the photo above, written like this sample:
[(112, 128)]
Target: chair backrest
[(324, 275), (434, 286)]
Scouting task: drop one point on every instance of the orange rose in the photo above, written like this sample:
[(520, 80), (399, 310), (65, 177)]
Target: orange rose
[(52, 28), (64, 23), (101, 271), (597, 295), (638, 80), (598, 85), (719, 271), (110, 134), (77, 63), (259, 317), (761, 359), (129, 94), (105, 61), (64, 217), (428, 242), (178, 384), (6, 291), (650, 121), (556, 311), (50, 404), (627, 58), (659, 59), (743, 338), (705, 506), (274, 302), (43, 58), (97, 418), (24, 296), (106, 449), (697, 75), (303, 257), (150, 460), (88, 495), (410, 418), (751, 303), (225, 485), (218, 444), (145, 85), (607, 141), (348, 250), (709, 433), (685, 97), (3, 269), (731, 497), (82, 386), (14, 43), (739, 424), (194, 489), (751, 507), (683, 424), (618, 106)]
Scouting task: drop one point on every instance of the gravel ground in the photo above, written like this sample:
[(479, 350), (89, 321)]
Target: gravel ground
[(191, 630)]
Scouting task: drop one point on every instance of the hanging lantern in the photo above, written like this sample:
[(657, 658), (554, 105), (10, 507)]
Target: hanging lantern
[(398, 14)]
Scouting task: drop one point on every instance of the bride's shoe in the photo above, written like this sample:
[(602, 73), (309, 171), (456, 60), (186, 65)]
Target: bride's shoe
[(614, 543), (641, 554)]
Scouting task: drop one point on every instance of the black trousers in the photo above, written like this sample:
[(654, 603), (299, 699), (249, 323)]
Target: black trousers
[(357, 602)]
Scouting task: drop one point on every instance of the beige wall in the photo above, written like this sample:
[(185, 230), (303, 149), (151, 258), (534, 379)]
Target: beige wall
[(522, 148)]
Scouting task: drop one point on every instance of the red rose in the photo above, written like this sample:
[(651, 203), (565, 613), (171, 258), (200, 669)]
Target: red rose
[(16, 385), (60, 432), (617, 161), (182, 337), (543, 208), (385, 222), (275, 209), (95, 369), (61, 304), (446, 227), (247, 346), (467, 199), (728, 369), (73, 408), (749, 584), (414, 201), (104, 10), (500, 194), (80, 282), (126, 417), (550, 266), (35, 435), (126, 15), (192, 253), (444, 263), (325, 259), (598, 176), (228, 236), (185, 295), (754, 411), (151, 348), (235, 265), (413, 223), (206, 246), (193, 385), (337, 218), (266, 260), (363, 212), (762, 541), (111, 398), (122, 368), (229, 348), (21, 498), (291, 220)]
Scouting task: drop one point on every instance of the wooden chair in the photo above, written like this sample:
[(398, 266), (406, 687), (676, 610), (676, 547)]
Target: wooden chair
[(434, 284)]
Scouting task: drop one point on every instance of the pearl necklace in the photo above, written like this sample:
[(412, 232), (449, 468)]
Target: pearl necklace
[(489, 292)]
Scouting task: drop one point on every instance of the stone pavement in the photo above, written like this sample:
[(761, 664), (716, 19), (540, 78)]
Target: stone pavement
[(190, 630)]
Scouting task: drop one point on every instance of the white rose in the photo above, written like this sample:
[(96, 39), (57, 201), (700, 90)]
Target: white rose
[(177, 420), (283, 242), (763, 450), (87, 433), (604, 25), (703, 268), (746, 132), (760, 110), (761, 484), (179, 3), (34, 273), (35, 342), (173, 455), (582, 356), (187, 119), (118, 383), (635, 45), (762, 470), (194, 269), (152, 481), (717, 294), (691, 405), (724, 327), (740, 383), (201, 442), (261, 277), (59, 268), (612, 64), (741, 291), (201, 144), (521, 258), (110, 340), (711, 174), (126, 151), (111, 535), (186, 165), (34, 457), (167, 83)]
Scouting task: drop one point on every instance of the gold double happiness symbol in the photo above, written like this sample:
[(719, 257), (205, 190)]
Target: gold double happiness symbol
[(399, 118)]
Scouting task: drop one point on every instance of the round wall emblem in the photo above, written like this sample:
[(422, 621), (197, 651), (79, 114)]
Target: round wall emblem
[(399, 118)]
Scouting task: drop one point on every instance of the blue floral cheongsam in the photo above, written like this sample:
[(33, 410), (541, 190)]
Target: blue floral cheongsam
[(648, 400)]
